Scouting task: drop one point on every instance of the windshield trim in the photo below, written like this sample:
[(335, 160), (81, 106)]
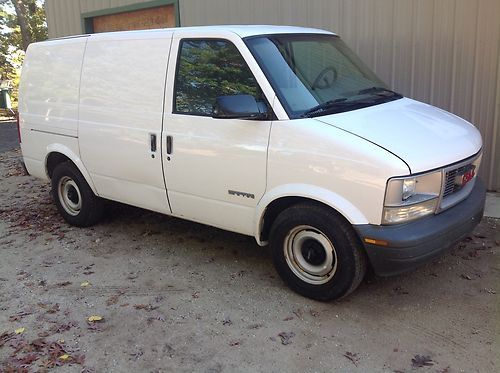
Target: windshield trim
[(299, 115)]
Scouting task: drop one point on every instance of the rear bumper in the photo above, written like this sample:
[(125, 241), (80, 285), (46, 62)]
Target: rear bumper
[(415, 243)]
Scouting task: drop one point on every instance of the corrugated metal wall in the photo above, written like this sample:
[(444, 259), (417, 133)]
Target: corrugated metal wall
[(64, 17), (444, 52)]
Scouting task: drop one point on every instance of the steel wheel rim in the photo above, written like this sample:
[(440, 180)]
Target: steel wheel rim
[(69, 195), (310, 255)]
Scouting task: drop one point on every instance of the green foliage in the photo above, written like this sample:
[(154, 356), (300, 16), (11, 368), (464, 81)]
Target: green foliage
[(12, 41), (208, 69)]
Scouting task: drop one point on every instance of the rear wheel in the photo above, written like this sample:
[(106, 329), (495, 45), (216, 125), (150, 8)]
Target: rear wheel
[(316, 252), (74, 199)]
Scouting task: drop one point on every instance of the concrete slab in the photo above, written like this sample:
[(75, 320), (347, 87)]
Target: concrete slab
[(492, 206)]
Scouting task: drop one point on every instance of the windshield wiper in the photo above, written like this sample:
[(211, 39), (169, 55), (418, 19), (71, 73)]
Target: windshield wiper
[(344, 104), (323, 107), (379, 90)]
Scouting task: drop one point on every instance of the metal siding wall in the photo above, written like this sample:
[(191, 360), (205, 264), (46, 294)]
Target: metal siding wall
[(444, 52), (95, 5), (63, 17)]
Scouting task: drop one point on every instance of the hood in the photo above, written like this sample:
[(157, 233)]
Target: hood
[(422, 135)]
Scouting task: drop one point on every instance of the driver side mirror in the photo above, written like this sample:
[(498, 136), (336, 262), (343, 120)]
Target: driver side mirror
[(238, 107)]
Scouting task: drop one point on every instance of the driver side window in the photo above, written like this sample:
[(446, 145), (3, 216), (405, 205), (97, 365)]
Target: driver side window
[(207, 69)]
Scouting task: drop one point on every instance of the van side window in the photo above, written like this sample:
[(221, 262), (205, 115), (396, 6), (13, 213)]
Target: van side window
[(207, 69)]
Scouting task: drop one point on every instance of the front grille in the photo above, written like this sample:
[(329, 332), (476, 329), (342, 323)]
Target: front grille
[(459, 179)]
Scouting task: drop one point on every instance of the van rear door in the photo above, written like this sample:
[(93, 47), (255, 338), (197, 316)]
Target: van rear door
[(120, 118)]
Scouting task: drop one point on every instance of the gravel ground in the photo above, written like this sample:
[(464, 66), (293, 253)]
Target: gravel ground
[(171, 295)]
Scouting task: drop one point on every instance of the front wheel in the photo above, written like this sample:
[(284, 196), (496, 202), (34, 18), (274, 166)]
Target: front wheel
[(316, 252), (74, 199)]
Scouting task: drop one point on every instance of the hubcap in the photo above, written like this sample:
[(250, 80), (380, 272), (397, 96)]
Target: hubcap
[(310, 255), (69, 195)]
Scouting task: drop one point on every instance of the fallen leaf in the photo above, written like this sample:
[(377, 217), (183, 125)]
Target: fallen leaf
[(137, 354), (54, 308), (5, 337), (286, 338), (38, 344), (56, 350), (113, 299), (147, 307), (79, 359), (314, 313), (19, 330), (400, 291), (84, 284), (95, 318), (62, 327), (64, 357), (255, 326), (352, 357), (18, 316), (489, 291), (420, 361), (62, 284)]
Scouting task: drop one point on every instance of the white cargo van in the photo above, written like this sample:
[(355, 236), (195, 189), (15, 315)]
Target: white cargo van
[(280, 133)]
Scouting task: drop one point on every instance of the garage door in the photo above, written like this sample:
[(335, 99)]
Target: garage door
[(157, 17)]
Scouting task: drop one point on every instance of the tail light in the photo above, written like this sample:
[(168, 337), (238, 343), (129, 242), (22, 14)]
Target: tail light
[(18, 128)]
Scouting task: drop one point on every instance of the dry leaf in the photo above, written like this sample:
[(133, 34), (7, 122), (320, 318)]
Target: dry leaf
[(420, 361), (62, 284), (353, 357), (95, 318), (19, 330), (286, 338), (84, 284), (64, 357), (113, 299)]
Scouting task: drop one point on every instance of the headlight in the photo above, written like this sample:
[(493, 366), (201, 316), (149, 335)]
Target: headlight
[(409, 198)]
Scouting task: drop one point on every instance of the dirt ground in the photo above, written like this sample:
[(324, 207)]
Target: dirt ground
[(179, 296)]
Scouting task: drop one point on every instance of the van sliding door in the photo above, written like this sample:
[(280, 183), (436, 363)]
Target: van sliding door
[(120, 116)]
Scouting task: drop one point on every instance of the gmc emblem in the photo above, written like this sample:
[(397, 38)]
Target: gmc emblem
[(468, 175)]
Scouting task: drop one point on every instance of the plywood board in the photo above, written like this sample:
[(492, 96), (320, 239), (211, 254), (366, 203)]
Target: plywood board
[(157, 17)]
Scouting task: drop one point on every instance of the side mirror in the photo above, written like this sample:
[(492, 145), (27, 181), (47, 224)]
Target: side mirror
[(238, 107)]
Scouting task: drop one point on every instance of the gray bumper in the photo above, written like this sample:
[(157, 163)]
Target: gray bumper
[(418, 242)]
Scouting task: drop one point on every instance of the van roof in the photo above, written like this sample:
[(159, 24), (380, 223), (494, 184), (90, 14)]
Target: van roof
[(241, 30)]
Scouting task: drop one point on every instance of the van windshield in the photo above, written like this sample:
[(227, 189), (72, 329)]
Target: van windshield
[(317, 74)]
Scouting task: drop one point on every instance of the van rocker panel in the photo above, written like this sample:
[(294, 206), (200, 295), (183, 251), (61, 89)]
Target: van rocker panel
[(415, 243)]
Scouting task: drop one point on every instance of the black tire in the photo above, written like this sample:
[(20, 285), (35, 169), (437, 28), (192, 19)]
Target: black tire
[(300, 240), (74, 199)]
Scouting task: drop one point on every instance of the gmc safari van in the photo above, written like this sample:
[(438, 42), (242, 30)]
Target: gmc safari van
[(280, 133)]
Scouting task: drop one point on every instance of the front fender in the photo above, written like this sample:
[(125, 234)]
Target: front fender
[(65, 150), (325, 196)]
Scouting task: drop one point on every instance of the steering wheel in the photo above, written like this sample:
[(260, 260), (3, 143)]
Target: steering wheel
[(325, 78)]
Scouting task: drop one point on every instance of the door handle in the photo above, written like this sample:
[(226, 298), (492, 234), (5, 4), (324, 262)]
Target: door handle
[(169, 144), (152, 139)]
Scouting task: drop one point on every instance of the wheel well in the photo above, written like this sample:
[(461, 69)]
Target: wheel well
[(53, 160), (279, 205)]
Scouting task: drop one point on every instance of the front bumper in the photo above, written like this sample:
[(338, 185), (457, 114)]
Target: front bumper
[(415, 243)]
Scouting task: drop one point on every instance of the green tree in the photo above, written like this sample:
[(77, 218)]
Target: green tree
[(208, 69), (21, 23)]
